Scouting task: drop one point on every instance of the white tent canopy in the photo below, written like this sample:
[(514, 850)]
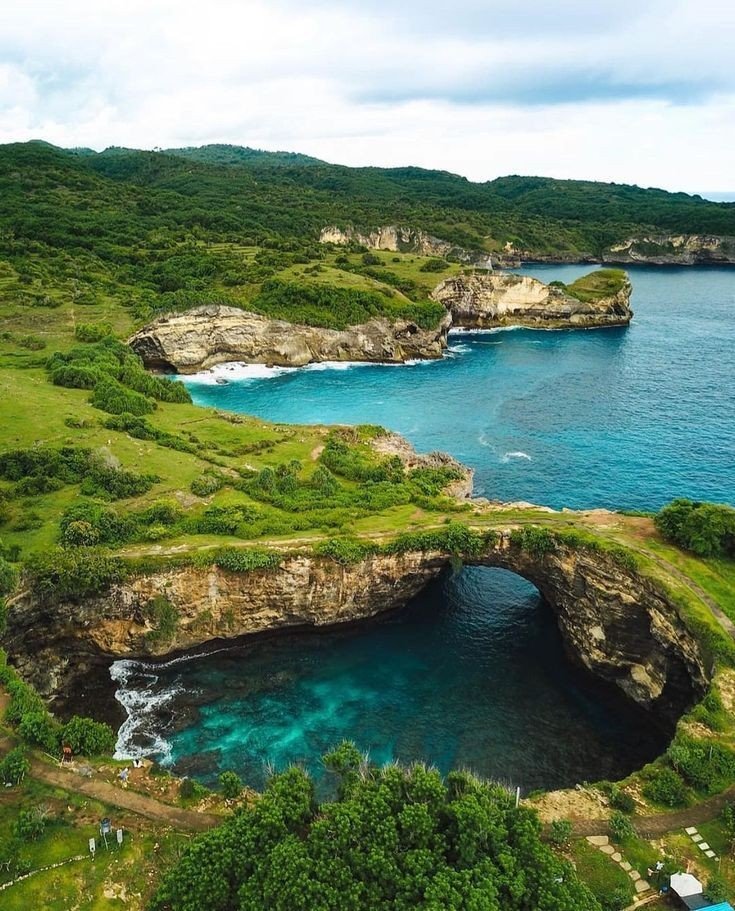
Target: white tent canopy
[(684, 884)]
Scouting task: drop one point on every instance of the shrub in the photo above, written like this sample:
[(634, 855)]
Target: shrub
[(208, 483), (230, 784), (72, 574), (165, 616), (40, 729), (92, 332), (113, 397), (535, 540), (560, 832), (242, 560), (707, 529), (621, 800), (621, 828), (30, 824), (191, 790), (8, 577), (88, 737), (666, 787), (433, 265), (344, 550), (706, 765), (14, 767), (717, 889)]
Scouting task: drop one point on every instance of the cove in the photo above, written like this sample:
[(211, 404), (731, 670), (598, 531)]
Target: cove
[(620, 418), (471, 673)]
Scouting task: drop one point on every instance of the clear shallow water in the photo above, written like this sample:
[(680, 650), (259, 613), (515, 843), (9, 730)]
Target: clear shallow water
[(623, 418), (472, 672)]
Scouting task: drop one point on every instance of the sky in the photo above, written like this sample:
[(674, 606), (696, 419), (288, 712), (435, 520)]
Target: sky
[(636, 92)]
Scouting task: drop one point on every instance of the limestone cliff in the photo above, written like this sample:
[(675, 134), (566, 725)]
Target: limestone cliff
[(205, 336), (487, 300), (673, 250), (398, 239), (614, 621)]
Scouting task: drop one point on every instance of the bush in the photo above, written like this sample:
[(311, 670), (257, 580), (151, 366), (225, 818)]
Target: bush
[(433, 265), (717, 889), (242, 560), (621, 828), (165, 616), (707, 765), (92, 332), (72, 574), (535, 540), (344, 550), (560, 832), (208, 483), (30, 824), (667, 788), (113, 397), (230, 784), (40, 729), (707, 529), (88, 737), (621, 800), (14, 767), (8, 577)]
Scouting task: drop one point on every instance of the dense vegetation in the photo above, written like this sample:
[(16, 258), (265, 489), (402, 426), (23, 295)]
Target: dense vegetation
[(395, 838), (707, 529)]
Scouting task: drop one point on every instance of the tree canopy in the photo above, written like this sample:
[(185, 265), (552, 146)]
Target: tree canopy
[(394, 838)]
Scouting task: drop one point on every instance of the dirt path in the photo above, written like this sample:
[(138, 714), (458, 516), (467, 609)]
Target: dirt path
[(117, 796), (655, 826)]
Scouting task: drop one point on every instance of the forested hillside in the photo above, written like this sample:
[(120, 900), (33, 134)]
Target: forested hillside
[(120, 197)]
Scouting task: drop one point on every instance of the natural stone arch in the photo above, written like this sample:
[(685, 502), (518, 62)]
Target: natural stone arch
[(613, 620)]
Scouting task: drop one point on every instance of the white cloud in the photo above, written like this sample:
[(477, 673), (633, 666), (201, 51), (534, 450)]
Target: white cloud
[(623, 91)]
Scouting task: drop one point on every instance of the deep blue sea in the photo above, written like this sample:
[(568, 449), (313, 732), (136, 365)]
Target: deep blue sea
[(472, 673)]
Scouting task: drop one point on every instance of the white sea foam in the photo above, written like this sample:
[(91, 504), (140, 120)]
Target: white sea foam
[(516, 454), (140, 734), (235, 371)]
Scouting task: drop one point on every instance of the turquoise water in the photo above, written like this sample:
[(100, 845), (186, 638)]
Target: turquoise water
[(625, 418), (472, 673)]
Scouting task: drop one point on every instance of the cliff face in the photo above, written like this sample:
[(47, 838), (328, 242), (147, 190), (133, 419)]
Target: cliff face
[(405, 240), (199, 338), (205, 336), (673, 250), (613, 621), (487, 300)]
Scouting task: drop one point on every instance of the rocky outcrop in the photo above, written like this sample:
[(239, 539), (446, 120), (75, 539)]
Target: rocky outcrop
[(205, 336), (673, 250), (614, 621), (488, 300), (398, 239)]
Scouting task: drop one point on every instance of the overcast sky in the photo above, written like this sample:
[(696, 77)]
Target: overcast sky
[(636, 91)]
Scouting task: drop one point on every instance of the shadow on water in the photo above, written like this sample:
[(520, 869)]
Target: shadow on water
[(472, 673)]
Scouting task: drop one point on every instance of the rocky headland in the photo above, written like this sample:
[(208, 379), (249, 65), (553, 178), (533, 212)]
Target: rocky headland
[(205, 336), (673, 250), (490, 300)]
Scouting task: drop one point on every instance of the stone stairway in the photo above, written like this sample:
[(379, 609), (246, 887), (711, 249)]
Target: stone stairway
[(602, 842)]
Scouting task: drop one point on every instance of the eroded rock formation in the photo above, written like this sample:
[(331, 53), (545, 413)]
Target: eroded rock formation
[(398, 239), (614, 621), (487, 300), (673, 250), (205, 336)]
